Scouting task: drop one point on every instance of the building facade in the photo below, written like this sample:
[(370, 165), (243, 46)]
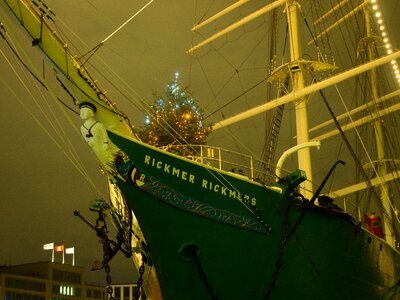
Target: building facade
[(126, 292), (47, 281)]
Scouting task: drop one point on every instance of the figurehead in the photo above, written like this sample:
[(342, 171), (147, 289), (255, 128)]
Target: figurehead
[(87, 110), (109, 155), (95, 134)]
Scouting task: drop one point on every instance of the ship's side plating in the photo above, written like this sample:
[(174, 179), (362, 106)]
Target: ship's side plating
[(205, 243)]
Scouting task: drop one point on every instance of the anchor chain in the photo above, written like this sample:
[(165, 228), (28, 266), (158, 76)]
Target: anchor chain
[(108, 279), (102, 233), (281, 253), (260, 218), (203, 278), (140, 279), (286, 235), (110, 249)]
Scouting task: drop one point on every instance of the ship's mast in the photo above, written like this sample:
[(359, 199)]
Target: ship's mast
[(377, 124), (298, 83), (296, 68)]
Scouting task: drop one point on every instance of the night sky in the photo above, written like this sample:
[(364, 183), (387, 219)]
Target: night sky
[(42, 182), (47, 169)]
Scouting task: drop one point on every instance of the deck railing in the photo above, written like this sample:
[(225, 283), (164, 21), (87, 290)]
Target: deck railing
[(227, 160)]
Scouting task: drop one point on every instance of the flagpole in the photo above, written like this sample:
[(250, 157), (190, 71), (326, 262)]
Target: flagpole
[(71, 250), (50, 246)]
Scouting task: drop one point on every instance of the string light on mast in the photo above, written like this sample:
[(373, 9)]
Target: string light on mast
[(384, 35)]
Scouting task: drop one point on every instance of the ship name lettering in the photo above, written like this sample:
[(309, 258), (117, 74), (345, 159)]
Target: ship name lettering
[(223, 190), (175, 171), (158, 164), (205, 184), (166, 168)]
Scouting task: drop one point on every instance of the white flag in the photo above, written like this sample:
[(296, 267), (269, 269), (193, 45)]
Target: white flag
[(49, 246), (70, 250)]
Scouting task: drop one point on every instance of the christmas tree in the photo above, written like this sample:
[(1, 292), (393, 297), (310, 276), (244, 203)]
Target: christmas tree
[(175, 119)]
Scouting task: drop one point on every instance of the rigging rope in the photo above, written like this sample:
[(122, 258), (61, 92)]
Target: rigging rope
[(369, 159), (273, 118), (71, 155), (355, 25), (236, 73), (236, 98), (130, 19), (29, 70), (356, 160), (92, 51)]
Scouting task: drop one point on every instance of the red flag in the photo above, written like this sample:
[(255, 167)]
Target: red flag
[(59, 248)]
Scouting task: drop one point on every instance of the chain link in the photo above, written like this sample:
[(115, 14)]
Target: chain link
[(108, 279), (281, 252), (140, 280), (203, 278), (110, 248), (102, 233), (260, 218)]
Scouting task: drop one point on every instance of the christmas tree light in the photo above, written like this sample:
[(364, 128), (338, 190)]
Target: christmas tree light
[(175, 119)]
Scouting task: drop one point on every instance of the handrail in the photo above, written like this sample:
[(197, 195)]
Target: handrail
[(227, 160)]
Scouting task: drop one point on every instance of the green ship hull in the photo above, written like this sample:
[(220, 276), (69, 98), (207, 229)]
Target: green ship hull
[(212, 234), (188, 224)]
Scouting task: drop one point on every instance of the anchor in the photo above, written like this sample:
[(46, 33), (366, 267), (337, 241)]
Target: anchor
[(110, 246)]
